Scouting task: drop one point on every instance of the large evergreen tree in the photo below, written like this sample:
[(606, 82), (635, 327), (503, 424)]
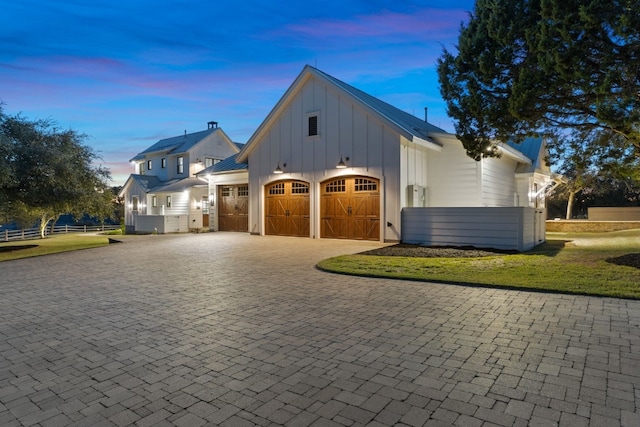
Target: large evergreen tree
[(528, 67), (47, 172)]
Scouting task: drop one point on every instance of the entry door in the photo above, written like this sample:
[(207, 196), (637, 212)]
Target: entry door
[(287, 209), (350, 209), (233, 208)]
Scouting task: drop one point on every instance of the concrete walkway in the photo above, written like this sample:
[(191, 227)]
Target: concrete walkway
[(234, 330)]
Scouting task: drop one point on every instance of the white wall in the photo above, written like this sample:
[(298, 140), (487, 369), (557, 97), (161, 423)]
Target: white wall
[(514, 228), (345, 129), (498, 182), (129, 215), (413, 164), (215, 146), (162, 224), (454, 178)]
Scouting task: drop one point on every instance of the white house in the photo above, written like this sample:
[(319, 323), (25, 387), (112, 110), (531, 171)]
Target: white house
[(330, 161), (164, 195)]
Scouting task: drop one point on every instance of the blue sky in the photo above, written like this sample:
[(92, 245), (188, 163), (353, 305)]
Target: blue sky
[(130, 73)]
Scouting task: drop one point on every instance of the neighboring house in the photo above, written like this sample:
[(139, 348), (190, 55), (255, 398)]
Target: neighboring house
[(164, 195), (330, 161)]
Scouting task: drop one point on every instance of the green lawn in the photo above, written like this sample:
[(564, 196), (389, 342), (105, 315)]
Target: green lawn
[(50, 245), (569, 262)]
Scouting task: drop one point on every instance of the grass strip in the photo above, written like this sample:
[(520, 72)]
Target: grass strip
[(567, 263), (50, 245)]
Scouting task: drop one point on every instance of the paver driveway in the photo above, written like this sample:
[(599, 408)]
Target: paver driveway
[(231, 329)]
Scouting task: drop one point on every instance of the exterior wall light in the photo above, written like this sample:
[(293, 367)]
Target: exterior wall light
[(341, 164), (278, 169)]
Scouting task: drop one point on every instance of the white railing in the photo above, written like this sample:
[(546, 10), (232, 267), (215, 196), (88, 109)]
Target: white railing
[(34, 233)]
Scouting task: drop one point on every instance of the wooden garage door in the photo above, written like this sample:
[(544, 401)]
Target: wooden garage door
[(233, 208), (287, 209), (350, 208)]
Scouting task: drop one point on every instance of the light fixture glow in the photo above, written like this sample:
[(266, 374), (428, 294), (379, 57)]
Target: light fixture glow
[(341, 164), (278, 169)]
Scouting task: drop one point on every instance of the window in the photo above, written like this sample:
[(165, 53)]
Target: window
[(227, 191), (277, 188), (337, 186), (180, 164), (243, 191), (363, 184), (149, 164), (135, 203), (168, 201), (142, 168), (163, 163), (210, 161), (205, 205), (154, 201), (299, 188), (312, 125)]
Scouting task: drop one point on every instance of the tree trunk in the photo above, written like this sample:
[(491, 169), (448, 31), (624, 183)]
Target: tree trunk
[(43, 225), (572, 196)]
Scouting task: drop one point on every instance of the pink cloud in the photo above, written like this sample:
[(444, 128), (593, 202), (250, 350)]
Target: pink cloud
[(423, 24)]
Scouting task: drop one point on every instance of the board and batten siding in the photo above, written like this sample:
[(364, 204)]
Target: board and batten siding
[(510, 228), (345, 129), (413, 164)]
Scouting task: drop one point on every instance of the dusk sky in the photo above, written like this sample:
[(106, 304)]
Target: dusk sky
[(130, 73)]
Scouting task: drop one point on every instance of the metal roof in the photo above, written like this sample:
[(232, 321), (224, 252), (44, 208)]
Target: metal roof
[(146, 182), (530, 147), (176, 144), (177, 185), (412, 124), (227, 165)]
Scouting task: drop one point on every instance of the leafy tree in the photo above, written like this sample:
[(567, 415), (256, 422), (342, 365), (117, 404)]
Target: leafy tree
[(593, 163), (48, 172), (531, 67)]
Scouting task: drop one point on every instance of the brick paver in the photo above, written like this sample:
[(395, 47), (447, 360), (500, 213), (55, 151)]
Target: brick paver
[(232, 329)]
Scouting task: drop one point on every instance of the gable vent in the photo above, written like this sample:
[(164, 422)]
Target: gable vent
[(313, 125)]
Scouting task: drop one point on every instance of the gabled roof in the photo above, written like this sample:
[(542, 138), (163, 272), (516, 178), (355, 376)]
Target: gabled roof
[(146, 182), (230, 164), (411, 127), (151, 184), (177, 185), (181, 144), (530, 147)]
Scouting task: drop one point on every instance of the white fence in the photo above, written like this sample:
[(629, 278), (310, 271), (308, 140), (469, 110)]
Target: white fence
[(513, 228), (34, 233)]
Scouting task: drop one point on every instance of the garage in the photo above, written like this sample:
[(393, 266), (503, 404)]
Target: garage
[(287, 209), (350, 208), (233, 207)]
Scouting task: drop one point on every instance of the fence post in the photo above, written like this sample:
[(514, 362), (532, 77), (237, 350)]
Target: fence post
[(6, 235), (22, 233), (66, 228), (85, 228)]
